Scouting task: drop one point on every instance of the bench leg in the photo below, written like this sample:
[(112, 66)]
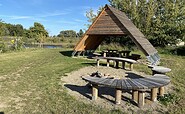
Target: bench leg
[(94, 92), (108, 62), (161, 91), (141, 98), (135, 95), (154, 94), (104, 54), (98, 62), (131, 66), (118, 96), (123, 65)]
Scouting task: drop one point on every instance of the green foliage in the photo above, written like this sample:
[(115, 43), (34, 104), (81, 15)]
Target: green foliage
[(3, 29), (168, 99), (91, 15), (162, 21), (17, 43), (80, 33), (3, 47), (67, 33)]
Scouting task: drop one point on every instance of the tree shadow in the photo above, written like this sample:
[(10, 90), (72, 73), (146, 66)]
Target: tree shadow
[(66, 53), (103, 92)]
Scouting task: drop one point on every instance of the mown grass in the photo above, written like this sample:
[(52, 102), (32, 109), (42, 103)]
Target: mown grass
[(30, 82)]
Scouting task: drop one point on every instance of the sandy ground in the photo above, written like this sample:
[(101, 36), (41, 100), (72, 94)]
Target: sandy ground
[(81, 91)]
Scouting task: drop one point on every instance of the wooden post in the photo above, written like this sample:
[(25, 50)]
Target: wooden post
[(123, 64), (98, 62), (118, 96), (131, 66), (104, 54), (135, 95), (141, 98), (94, 92), (154, 94), (108, 63), (161, 91)]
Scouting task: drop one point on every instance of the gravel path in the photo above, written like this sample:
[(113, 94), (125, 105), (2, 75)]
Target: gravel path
[(80, 90)]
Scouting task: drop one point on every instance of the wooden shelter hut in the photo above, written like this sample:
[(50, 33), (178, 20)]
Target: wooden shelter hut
[(112, 22)]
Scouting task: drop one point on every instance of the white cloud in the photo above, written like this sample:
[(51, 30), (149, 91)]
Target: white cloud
[(20, 17), (53, 14)]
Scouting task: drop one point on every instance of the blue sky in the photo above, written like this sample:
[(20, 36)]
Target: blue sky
[(55, 15)]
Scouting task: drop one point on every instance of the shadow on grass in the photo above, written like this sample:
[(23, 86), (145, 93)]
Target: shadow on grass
[(66, 53), (1, 112), (103, 92)]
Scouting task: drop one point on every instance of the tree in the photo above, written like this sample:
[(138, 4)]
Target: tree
[(92, 16), (162, 21), (67, 33), (38, 32), (80, 33), (3, 29)]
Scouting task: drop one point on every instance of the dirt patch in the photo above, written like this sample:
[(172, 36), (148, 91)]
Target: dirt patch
[(106, 97)]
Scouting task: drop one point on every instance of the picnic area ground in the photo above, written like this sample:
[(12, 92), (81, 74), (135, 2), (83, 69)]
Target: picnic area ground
[(44, 81)]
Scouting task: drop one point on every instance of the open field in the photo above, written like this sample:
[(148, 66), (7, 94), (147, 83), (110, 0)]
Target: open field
[(30, 82)]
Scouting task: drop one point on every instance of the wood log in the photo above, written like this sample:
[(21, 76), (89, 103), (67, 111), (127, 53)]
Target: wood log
[(94, 92), (118, 96), (135, 95), (141, 98), (161, 91), (154, 94)]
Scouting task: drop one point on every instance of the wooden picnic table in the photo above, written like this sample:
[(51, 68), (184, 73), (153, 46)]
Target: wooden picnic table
[(124, 53)]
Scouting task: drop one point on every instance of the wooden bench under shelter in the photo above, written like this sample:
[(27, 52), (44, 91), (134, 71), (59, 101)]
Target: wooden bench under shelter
[(137, 85), (117, 60)]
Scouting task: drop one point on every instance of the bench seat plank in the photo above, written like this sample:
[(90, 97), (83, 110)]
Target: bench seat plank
[(130, 84)]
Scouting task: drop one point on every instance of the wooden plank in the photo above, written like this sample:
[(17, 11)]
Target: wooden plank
[(140, 86), (114, 83), (123, 84), (129, 86), (119, 83), (134, 84), (148, 83)]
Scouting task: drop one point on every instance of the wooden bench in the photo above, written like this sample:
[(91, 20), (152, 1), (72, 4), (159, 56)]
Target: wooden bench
[(117, 60), (137, 85)]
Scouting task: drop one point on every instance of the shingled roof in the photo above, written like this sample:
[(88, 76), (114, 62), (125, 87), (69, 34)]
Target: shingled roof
[(114, 22)]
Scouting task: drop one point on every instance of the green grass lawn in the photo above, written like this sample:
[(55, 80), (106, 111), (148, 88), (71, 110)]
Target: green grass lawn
[(30, 82)]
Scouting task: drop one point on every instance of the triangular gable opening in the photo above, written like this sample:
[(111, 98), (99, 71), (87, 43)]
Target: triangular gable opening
[(114, 22)]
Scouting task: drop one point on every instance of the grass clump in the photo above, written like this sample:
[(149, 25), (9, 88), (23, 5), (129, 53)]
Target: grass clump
[(168, 99)]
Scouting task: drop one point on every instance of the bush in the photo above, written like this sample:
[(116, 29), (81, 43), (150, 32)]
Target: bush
[(173, 50), (179, 51), (3, 47)]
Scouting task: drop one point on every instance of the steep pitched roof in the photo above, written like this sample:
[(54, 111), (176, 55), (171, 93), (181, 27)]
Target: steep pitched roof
[(114, 22)]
